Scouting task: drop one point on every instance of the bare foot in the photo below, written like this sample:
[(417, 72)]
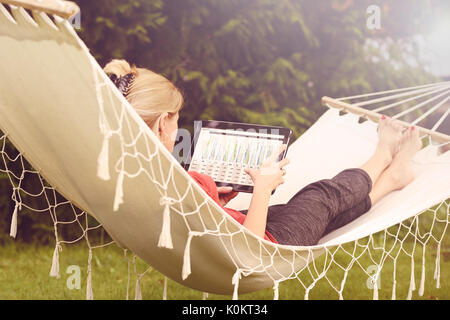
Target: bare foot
[(389, 136), (400, 172)]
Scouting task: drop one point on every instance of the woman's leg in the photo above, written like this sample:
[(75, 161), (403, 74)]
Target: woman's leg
[(348, 216), (303, 220), (395, 177)]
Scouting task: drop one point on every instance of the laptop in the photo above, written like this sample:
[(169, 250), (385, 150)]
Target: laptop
[(224, 149)]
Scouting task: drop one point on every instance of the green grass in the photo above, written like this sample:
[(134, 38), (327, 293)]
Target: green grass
[(24, 274)]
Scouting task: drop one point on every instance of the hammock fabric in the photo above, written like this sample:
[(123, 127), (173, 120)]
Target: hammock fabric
[(78, 132)]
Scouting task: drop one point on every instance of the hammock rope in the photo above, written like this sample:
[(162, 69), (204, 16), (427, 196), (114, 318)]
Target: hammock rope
[(123, 176), (411, 90)]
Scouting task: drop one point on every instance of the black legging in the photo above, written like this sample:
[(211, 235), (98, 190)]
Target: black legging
[(320, 208)]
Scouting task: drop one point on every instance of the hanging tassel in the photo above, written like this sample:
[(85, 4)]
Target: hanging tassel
[(138, 292), (89, 293), (103, 159), (129, 274), (118, 198), (205, 296), (54, 271), (374, 280), (394, 281), (275, 290), (13, 229), (307, 293), (235, 282), (412, 285), (422, 279), (394, 286), (341, 297), (165, 238), (375, 287), (165, 289), (437, 269), (186, 271)]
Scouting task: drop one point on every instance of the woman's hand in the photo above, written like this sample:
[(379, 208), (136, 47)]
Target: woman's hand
[(265, 179), (226, 194), (270, 174)]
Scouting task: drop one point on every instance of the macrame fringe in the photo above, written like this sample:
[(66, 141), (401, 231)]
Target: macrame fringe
[(275, 290), (307, 293), (54, 270), (437, 269), (374, 279), (165, 289), (137, 291), (13, 229), (235, 282), (422, 279), (412, 285), (186, 271), (394, 287), (307, 290), (165, 238), (375, 287), (394, 282), (89, 293), (129, 273), (103, 159), (341, 297), (118, 198)]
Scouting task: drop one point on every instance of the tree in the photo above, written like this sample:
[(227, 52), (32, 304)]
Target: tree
[(257, 61), (260, 61)]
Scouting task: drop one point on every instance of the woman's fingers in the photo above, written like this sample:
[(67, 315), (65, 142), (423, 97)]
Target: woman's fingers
[(221, 190), (250, 172), (280, 181), (283, 162), (281, 150), (231, 195), (273, 157)]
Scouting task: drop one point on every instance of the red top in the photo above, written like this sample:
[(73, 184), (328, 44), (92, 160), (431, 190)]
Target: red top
[(208, 184)]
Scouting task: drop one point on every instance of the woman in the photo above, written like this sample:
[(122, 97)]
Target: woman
[(312, 212)]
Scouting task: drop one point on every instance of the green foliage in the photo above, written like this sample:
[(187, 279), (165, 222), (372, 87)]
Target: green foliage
[(254, 61), (258, 61)]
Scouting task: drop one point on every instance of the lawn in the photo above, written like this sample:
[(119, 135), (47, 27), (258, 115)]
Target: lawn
[(24, 274)]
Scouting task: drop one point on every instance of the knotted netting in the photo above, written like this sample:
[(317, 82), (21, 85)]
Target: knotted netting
[(94, 164)]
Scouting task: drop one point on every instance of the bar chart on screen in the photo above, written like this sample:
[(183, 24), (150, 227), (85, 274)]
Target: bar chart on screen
[(225, 156)]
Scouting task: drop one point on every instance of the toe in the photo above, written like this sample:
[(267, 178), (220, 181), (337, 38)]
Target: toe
[(409, 133), (414, 132), (394, 124), (405, 136), (416, 135)]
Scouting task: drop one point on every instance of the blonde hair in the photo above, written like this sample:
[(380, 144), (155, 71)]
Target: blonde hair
[(150, 94)]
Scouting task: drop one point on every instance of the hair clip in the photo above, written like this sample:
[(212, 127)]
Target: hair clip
[(123, 83)]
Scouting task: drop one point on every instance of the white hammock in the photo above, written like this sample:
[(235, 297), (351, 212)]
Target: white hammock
[(79, 133)]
